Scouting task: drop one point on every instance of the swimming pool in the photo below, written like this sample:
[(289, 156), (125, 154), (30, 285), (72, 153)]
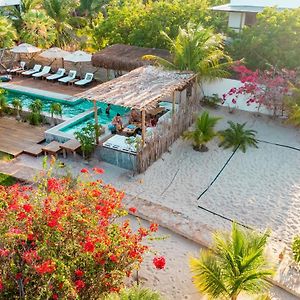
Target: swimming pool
[(70, 109)]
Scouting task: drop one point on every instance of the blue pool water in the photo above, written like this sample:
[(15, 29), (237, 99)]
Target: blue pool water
[(69, 109)]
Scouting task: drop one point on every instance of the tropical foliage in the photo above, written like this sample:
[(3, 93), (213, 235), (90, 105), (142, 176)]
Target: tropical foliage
[(236, 136), (8, 33), (204, 131), (38, 29), (66, 238), (17, 105), (274, 40), (236, 263), (55, 110), (134, 293), (35, 117), (3, 101), (296, 249), (196, 49)]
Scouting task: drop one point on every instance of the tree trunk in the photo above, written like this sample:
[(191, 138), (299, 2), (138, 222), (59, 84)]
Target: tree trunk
[(234, 297)]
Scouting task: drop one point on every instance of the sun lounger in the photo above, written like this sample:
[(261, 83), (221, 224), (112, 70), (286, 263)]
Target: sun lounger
[(60, 73), (17, 69), (35, 69), (87, 79), (71, 76), (46, 70)]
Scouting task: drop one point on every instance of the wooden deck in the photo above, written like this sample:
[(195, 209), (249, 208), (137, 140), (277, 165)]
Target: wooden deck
[(16, 136)]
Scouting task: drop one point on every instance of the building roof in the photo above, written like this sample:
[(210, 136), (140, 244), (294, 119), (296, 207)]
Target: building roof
[(241, 8), (141, 88), (125, 57)]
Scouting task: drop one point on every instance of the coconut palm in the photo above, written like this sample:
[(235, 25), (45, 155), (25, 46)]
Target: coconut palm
[(38, 29), (17, 104), (55, 110), (237, 136), (236, 263), (60, 12), (196, 49), (7, 33), (134, 293), (36, 107), (204, 131)]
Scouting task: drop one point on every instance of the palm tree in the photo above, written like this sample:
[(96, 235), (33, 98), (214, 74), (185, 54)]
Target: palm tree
[(55, 109), (7, 33), (236, 136), (36, 107), (204, 131), (236, 263), (3, 103), (134, 293), (38, 29), (90, 8), (17, 104), (196, 49), (19, 12), (60, 12)]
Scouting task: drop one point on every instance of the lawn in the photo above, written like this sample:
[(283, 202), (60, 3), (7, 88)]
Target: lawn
[(7, 180)]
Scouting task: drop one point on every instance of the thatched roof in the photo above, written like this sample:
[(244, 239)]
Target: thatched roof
[(141, 88), (125, 57)]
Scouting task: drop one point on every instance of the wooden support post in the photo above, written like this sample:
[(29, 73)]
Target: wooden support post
[(96, 122), (173, 103), (143, 127), (107, 74)]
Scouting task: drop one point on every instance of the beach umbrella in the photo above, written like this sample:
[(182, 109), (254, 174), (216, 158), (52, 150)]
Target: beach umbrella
[(55, 53), (25, 48), (78, 57)]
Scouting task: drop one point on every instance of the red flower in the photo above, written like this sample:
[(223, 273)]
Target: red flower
[(84, 170), (113, 258), (143, 232), (132, 209), (98, 170), (153, 227), (19, 276), (52, 223), (53, 185), (159, 262), (46, 267), (1, 285), (79, 284), (27, 207), (21, 216), (79, 273), (89, 247), (29, 256), (55, 297), (4, 252)]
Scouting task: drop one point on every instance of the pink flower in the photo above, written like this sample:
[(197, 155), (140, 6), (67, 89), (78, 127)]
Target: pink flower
[(159, 262), (132, 210), (84, 170)]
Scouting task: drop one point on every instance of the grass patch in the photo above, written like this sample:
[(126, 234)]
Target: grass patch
[(5, 156), (7, 180)]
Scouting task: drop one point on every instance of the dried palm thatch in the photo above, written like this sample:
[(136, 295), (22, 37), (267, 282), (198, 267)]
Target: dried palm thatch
[(125, 57), (141, 88)]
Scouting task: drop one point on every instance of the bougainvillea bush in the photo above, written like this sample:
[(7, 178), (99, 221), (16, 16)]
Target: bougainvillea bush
[(66, 239)]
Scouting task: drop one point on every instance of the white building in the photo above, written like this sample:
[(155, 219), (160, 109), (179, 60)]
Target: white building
[(9, 2), (243, 12)]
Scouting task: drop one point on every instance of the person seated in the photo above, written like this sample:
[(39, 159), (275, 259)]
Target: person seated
[(134, 116), (152, 121), (116, 124), (108, 108)]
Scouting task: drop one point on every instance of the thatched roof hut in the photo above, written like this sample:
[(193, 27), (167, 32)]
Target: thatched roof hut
[(141, 88), (125, 57)]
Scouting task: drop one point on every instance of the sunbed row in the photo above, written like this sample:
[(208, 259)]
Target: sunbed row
[(44, 72)]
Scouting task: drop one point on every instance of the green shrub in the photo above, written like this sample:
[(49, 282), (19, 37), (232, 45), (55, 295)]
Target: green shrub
[(296, 249)]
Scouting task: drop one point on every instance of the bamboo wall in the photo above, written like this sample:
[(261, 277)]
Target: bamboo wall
[(169, 131)]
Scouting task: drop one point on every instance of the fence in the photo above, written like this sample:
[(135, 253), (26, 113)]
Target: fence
[(169, 130)]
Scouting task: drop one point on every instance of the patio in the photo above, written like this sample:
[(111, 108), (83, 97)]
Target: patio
[(15, 136)]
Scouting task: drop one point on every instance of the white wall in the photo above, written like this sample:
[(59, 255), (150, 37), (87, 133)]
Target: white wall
[(279, 3), (236, 21), (9, 2), (222, 86)]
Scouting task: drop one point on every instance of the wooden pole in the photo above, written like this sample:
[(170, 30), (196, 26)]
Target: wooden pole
[(173, 103), (107, 74), (96, 122), (143, 127)]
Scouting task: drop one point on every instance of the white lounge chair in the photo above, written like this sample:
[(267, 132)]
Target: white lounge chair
[(20, 68), (71, 76), (60, 73), (35, 69), (87, 79), (46, 70)]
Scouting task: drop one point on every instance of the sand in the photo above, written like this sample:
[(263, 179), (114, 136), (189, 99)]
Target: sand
[(260, 189)]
